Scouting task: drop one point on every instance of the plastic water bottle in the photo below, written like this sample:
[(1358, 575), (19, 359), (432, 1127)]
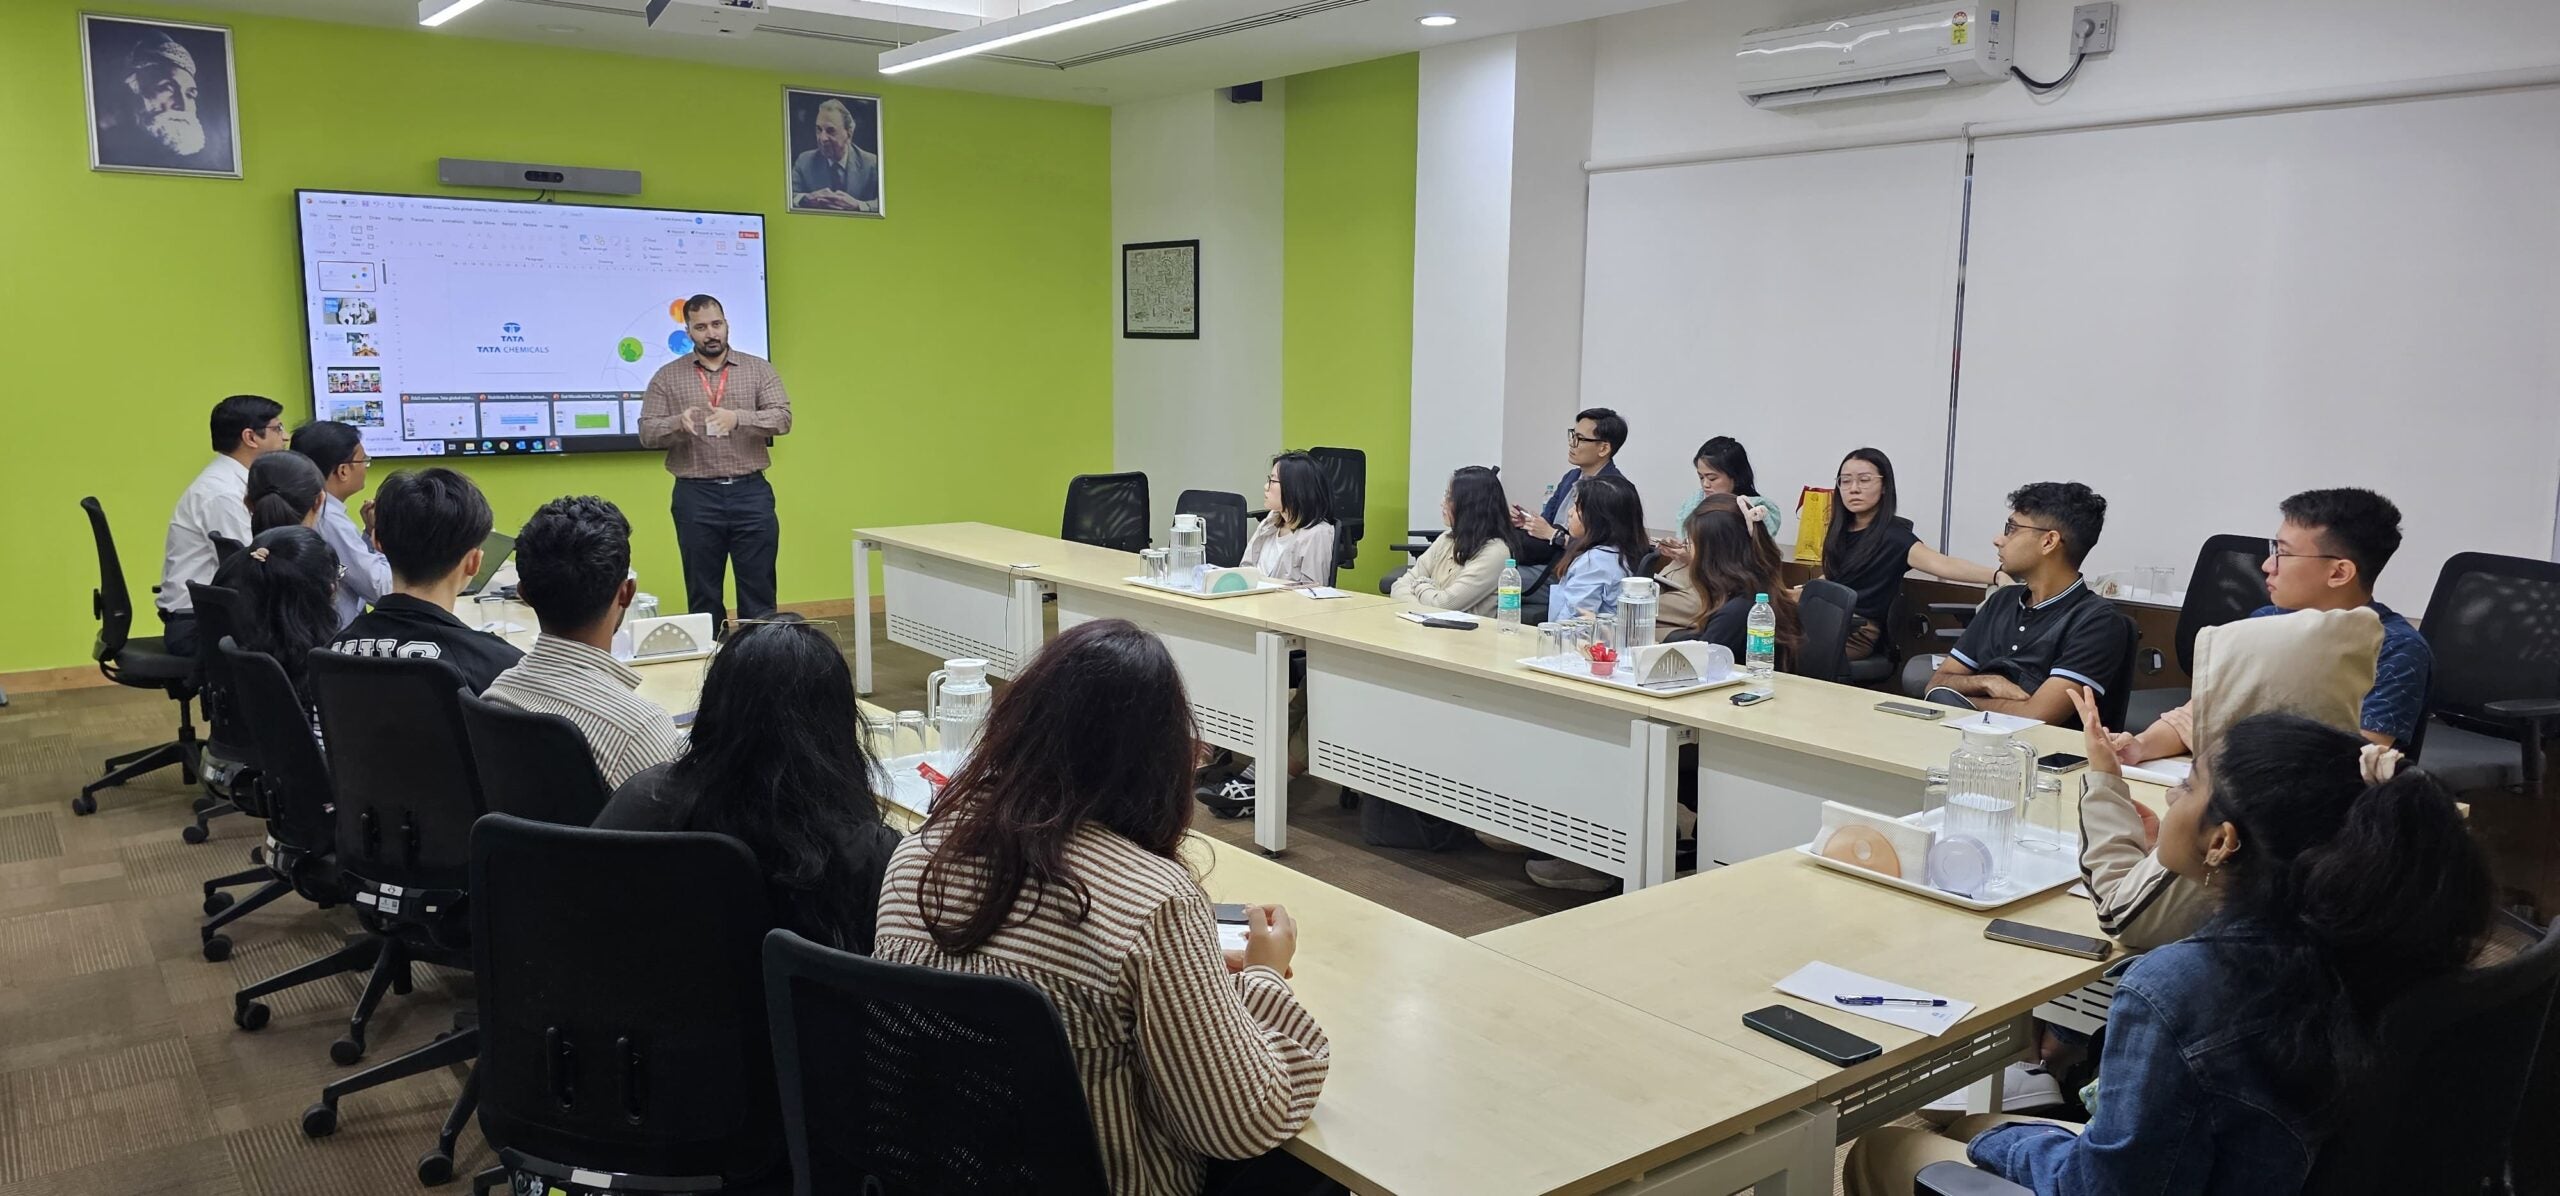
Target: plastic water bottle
[(1507, 605), (1762, 658)]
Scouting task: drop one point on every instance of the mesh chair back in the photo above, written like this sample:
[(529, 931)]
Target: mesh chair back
[(2228, 585), (1346, 475), (292, 775), (1223, 514), (407, 789), (2459, 1056), (532, 765), (2493, 625), (217, 619), (109, 602), (1107, 510), (2119, 696), (1826, 611), (918, 1080), (622, 1000)]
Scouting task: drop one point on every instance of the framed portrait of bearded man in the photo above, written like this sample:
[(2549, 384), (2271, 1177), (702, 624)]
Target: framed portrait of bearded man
[(162, 98)]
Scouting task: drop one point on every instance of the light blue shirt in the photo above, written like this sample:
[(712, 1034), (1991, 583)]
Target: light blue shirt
[(368, 576), (1589, 584)]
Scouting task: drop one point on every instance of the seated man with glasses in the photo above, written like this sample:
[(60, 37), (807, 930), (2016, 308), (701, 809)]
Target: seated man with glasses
[(2034, 643), (1591, 445), (2325, 556)]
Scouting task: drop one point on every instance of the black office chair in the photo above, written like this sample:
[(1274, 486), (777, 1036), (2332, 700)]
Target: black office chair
[(1223, 515), (2493, 697), (1107, 510), (532, 765), (298, 793), (223, 760), (622, 1007), (2229, 584), (137, 662), (1826, 610), (2459, 1059), (1346, 476), (917, 1080)]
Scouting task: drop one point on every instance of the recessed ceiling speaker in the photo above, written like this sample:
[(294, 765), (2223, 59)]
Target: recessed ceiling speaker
[(535, 176)]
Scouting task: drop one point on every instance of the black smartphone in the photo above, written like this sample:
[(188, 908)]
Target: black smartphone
[(2003, 930), (1232, 914), (1450, 624), (1812, 1035), (1909, 710), (1748, 698), (2060, 762)]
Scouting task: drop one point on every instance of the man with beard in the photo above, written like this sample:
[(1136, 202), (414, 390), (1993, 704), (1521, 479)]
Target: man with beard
[(153, 117), (838, 175), (716, 411)]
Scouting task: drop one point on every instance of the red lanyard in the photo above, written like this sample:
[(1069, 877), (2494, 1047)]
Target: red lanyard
[(719, 391)]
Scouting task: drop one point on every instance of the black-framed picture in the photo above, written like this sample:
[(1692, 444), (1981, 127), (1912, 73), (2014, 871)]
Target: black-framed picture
[(831, 153), (1160, 291), (162, 96)]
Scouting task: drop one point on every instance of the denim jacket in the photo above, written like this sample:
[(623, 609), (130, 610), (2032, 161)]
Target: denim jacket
[(2187, 1111)]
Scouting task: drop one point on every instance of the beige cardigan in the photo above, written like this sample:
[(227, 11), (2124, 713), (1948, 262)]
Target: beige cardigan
[(1437, 579), (1305, 555), (2318, 664)]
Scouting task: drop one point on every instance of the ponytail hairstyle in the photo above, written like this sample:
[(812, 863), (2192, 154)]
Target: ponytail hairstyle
[(287, 578), (1728, 559), (284, 488), (2368, 887), (1612, 517)]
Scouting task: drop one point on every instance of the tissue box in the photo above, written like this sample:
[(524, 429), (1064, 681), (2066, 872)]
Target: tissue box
[(1672, 664), (672, 638)]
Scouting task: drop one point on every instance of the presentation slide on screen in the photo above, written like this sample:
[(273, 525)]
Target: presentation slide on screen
[(469, 327)]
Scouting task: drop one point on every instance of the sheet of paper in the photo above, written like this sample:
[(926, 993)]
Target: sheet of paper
[(2171, 771), (1977, 719), (502, 627), (1456, 615), (1326, 592), (1820, 982)]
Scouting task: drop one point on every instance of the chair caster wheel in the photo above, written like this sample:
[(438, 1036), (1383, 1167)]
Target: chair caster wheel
[(258, 856), (435, 1168), (84, 805), (193, 833), (217, 948), (217, 901), (319, 1121), (345, 1052), (252, 1016)]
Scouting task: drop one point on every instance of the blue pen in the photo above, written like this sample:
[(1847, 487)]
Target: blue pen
[(1929, 1001)]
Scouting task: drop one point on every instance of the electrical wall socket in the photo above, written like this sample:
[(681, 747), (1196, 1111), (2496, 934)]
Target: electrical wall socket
[(2093, 28)]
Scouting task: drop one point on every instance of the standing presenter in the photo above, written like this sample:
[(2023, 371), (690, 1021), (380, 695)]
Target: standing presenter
[(716, 411)]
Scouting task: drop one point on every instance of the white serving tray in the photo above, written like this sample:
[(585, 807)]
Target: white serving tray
[(908, 790), (1564, 666), (1268, 587), (2031, 873)]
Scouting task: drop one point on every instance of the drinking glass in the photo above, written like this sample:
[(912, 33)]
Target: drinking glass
[(1550, 641), (1989, 820), (1158, 564), (910, 725), (2047, 826)]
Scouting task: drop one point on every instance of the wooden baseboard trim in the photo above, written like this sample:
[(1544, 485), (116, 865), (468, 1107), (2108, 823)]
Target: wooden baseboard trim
[(86, 676)]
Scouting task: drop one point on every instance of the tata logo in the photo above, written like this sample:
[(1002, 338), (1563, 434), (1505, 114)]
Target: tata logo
[(511, 333)]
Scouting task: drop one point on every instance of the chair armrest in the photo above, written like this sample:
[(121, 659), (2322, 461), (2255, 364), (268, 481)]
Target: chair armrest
[(2524, 710), (1961, 1179)]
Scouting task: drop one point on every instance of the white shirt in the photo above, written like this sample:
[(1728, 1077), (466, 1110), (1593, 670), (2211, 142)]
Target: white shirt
[(215, 504), (368, 575)]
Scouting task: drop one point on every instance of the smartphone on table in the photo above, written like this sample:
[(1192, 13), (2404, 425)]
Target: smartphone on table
[(1913, 710), (2003, 930), (1812, 1035), (2059, 763)]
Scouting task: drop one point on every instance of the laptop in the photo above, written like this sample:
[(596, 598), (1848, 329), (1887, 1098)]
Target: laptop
[(493, 554)]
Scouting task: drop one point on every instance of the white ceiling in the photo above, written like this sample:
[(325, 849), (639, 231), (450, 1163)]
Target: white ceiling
[(1111, 62)]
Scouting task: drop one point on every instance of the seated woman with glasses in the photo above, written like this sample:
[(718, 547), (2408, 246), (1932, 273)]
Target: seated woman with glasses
[(1294, 541), (1869, 548)]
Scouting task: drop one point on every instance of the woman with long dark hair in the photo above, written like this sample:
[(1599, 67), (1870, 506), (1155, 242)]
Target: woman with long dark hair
[(777, 761), (287, 579), (1730, 566), (285, 490), (1054, 857), (1870, 546), (2346, 880), (1724, 467), (1462, 570), (1294, 541), (1605, 543)]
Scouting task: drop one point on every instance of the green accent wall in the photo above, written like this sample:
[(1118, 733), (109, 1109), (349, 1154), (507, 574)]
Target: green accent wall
[(1346, 339), (952, 362)]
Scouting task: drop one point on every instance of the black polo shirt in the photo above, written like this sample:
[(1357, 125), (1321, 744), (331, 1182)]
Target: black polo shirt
[(2076, 635), (400, 625)]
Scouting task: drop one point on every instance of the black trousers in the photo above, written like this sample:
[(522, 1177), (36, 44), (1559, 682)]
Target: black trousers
[(717, 524), (178, 632)]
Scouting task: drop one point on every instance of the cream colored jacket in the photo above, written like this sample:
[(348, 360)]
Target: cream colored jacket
[(1302, 557), (1437, 579)]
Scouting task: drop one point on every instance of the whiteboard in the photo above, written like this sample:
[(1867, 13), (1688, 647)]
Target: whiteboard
[(1803, 305), (2198, 319)]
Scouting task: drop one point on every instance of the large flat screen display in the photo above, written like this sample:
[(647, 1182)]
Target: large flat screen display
[(468, 327)]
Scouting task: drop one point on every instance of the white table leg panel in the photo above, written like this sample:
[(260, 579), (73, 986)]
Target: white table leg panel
[(1754, 799), (1564, 778), (952, 610), (1791, 1156)]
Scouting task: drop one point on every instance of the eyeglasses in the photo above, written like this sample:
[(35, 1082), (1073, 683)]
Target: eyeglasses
[(2276, 551), (1861, 480), (1573, 438), (2013, 527)]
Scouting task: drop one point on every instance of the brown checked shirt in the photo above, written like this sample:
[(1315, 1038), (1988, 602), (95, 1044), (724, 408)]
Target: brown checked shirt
[(751, 389)]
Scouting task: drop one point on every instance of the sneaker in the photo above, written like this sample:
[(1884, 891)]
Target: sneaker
[(1570, 876), (2023, 1086), (1230, 799)]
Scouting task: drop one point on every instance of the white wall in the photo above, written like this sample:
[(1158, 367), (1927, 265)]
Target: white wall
[(1665, 77), (1201, 414)]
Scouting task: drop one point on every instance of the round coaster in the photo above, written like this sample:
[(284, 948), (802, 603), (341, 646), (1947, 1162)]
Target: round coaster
[(1960, 864), (1863, 847)]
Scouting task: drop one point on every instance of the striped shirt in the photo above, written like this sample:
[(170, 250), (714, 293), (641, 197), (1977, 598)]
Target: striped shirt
[(1181, 1060), (745, 384), (587, 686)]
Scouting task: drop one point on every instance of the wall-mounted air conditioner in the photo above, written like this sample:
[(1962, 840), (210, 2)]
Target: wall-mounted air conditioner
[(1910, 48)]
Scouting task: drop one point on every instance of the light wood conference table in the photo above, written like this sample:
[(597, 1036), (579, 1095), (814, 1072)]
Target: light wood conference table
[(951, 592)]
